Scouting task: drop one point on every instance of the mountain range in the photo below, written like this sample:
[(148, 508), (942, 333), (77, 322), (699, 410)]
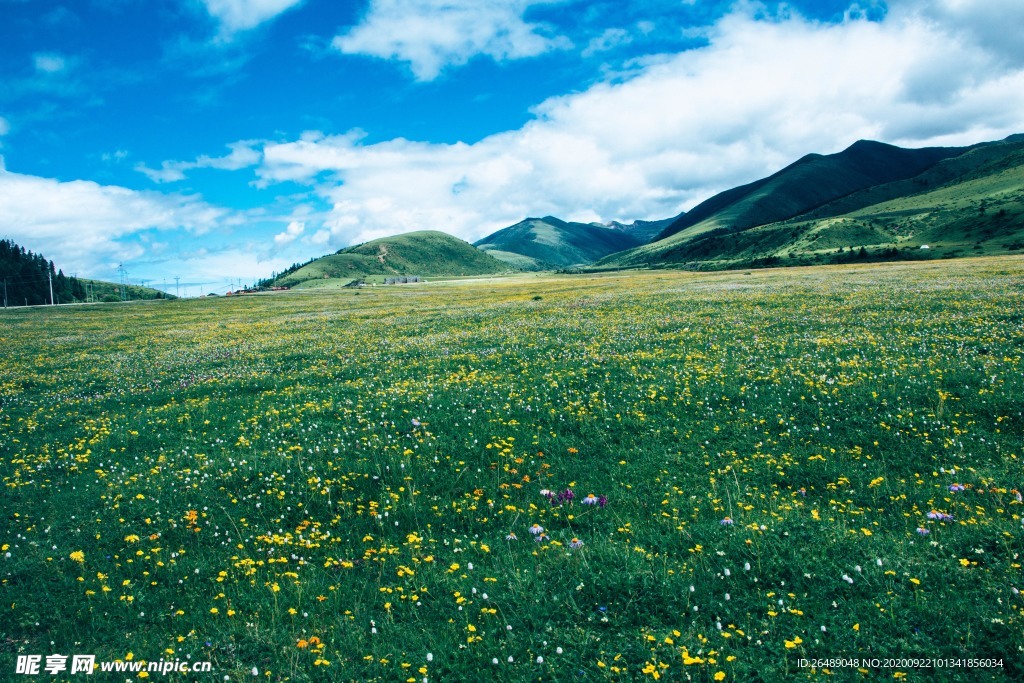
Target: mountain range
[(871, 201)]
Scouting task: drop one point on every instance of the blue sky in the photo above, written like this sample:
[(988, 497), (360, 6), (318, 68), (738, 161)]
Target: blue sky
[(218, 139)]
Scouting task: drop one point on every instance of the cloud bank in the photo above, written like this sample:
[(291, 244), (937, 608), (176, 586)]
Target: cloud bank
[(82, 223), (669, 131)]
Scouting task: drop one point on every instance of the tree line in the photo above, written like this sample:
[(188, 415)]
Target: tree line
[(26, 278)]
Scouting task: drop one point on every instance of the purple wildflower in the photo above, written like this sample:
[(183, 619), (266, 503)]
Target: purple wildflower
[(956, 487), (575, 544), (727, 522), (591, 499), (922, 531), (602, 501)]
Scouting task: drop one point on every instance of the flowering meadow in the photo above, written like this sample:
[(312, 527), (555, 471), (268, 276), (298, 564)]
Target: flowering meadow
[(620, 477)]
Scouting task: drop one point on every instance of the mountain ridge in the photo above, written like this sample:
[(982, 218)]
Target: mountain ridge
[(970, 198), (550, 243)]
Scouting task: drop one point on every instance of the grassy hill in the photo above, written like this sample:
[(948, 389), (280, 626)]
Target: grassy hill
[(98, 290), (548, 243), (427, 253), (969, 203)]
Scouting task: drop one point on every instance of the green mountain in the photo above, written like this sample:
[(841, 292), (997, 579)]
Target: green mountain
[(549, 243), (806, 184), (426, 253), (968, 203)]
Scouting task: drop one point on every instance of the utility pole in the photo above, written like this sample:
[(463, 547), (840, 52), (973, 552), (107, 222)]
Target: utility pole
[(177, 294), (49, 276), (123, 273)]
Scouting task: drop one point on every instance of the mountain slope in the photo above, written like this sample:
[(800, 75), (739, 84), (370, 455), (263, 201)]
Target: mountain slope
[(802, 186), (427, 253), (969, 204), (546, 243)]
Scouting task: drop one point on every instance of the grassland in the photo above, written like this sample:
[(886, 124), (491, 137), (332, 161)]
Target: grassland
[(346, 485)]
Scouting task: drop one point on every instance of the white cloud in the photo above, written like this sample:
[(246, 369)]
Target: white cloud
[(677, 128), (83, 224), (240, 15), (433, 34), (5, 127), (243, 154), (48, 62), (290, 234), (321, 237), (609, 39)]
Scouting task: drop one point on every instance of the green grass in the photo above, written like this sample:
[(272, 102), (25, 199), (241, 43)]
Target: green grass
[(246, 484)]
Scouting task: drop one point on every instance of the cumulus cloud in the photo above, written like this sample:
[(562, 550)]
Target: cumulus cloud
[(240, 15), (5, 127), (290, 234), (82, 223), (243, 154), (677, 128), (432, 34)]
